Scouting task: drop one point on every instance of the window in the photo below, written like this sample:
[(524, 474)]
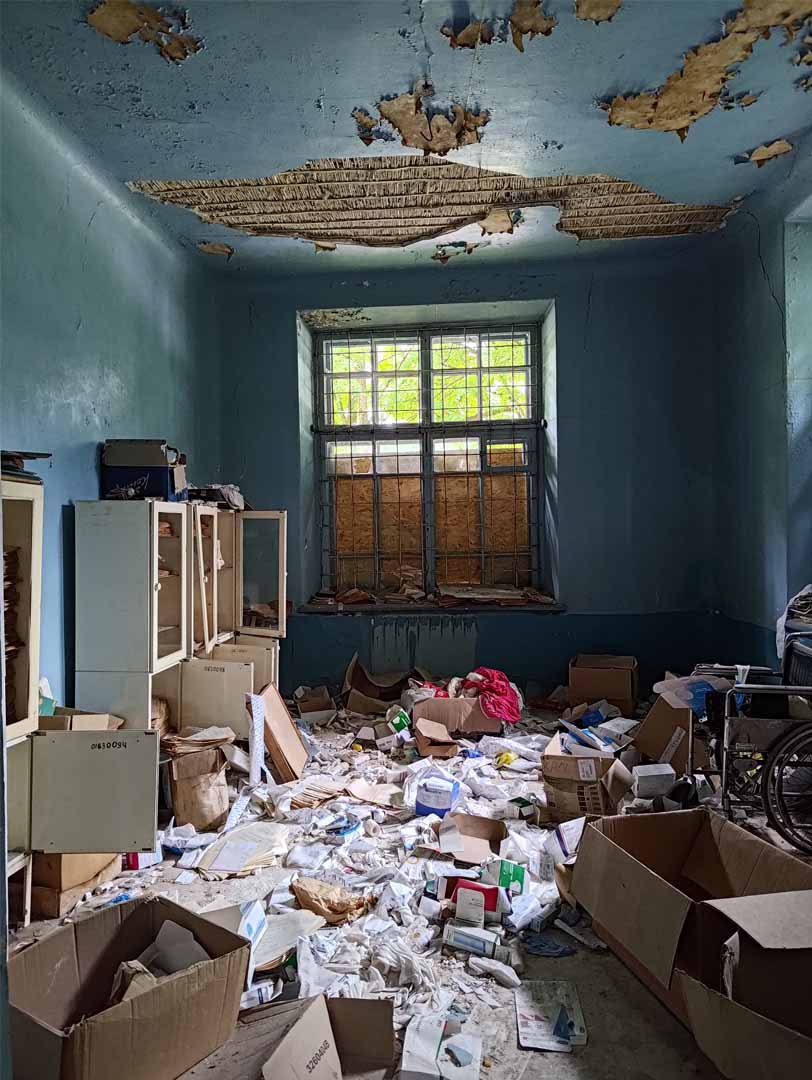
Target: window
[(429, 459)]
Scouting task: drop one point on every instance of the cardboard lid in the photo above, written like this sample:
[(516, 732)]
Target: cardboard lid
[(774, 921), (603, 660), (434, 732)]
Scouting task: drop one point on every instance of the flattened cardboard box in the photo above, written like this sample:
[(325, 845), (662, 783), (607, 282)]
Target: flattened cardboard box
[(656, 886), (61, 1028), (593, 677)]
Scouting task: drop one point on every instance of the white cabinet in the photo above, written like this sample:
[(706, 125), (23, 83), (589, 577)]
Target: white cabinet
[(238, 575), (204, 691), (83, 791), (131, 586), (22, 573)]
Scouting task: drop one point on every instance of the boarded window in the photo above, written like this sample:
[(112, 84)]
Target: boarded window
[(429, 459)]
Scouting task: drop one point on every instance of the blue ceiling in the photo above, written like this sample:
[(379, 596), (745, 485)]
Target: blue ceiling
[(276, 83)]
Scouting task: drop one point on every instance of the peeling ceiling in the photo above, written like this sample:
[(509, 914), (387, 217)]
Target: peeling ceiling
[(226, 90)]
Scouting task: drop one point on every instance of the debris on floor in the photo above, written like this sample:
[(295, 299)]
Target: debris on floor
[(424, 863)]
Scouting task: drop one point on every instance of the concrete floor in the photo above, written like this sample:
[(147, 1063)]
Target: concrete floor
[(631, 1035)]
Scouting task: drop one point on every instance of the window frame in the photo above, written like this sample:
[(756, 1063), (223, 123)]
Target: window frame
[(425, 431)]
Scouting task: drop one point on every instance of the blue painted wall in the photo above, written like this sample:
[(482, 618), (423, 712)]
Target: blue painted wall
[(106, 333), (634, 344), (798, 265), (749, 437)]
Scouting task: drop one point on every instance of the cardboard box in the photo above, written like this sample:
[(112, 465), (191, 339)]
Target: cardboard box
[(64, 719), (65, 871), (336, 1039), (475, 940), (663, 737), (595, 677), (59, 988), (49, 902), (649, 883), (433, 740), (316, 706), (576, 786), (481, 837), (459, 716)]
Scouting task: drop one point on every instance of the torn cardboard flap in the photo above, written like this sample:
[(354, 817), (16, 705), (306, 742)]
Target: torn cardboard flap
[(371, 696), (335, 1039)]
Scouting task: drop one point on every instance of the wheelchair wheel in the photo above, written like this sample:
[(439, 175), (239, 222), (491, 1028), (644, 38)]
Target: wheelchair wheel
[(787, 787)]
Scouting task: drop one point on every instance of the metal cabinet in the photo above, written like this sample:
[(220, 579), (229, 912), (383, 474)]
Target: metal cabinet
[(131, 585), (22, 570), (83, 791), (204, 691)]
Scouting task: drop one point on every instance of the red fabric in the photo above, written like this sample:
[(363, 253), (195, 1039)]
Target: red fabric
[(497, 698)]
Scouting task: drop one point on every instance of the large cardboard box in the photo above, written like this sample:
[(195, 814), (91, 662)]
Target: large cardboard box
[(659, 888), (593, 677), (52, 903), (663, 736), (62, 1029), (576, 786), (336, 1039), (460, 716)]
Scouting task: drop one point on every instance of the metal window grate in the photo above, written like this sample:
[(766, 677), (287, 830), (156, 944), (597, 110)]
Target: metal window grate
[(429, 459)]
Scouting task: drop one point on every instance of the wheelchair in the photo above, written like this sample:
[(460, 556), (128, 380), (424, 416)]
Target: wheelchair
[(760, 741)]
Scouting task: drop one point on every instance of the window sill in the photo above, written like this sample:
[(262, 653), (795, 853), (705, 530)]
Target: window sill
[(430, 609)]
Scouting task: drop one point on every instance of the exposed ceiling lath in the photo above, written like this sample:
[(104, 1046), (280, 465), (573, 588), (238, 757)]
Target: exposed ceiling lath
[(393, 201)]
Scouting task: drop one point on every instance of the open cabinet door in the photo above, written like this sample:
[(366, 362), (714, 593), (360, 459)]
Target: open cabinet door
[(261, 580), (94, 791)]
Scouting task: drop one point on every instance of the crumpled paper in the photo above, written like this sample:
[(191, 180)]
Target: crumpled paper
[(335, 904)]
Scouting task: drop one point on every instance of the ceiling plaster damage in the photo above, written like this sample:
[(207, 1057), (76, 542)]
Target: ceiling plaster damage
[(597, 11), (762, 154), (395, 201), (124, 22), (529, 17), (475, 33), (433, 132), (212, 247), (696, 89), (445, 252)]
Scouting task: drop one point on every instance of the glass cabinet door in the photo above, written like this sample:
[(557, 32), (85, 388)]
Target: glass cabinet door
[(261, 593), (169, 586)]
